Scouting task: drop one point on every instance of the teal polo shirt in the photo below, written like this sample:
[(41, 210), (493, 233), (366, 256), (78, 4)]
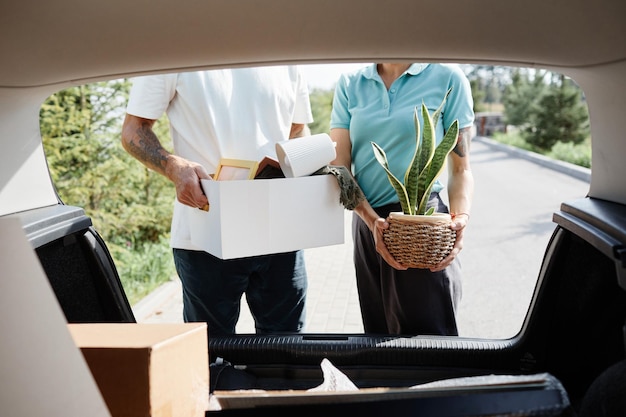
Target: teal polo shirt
[(363, 105)]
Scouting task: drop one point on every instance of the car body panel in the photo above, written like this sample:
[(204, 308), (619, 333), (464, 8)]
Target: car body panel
[(77, 263), (172, 36)]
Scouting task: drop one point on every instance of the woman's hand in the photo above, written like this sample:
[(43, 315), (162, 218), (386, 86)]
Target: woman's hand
[(458, 224), (381, 224)]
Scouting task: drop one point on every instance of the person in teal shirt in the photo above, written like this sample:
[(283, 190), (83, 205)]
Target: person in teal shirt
[(376, 103)]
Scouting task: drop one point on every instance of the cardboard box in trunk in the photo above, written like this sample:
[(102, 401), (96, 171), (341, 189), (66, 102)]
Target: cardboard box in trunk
[(259, 217), (157, 370)]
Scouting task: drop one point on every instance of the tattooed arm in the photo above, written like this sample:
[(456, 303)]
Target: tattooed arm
[(141, 142), (460, 190)]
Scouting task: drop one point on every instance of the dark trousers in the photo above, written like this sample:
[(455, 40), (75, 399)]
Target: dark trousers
[(411, 302), (275, 288)]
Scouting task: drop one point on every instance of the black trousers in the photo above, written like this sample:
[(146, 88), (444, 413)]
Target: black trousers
[(411, 302)]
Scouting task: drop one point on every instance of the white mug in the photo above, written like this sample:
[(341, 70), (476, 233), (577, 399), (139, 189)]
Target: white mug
[(303, 156)]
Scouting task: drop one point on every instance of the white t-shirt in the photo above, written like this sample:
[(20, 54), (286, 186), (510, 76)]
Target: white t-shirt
[(235, 113)]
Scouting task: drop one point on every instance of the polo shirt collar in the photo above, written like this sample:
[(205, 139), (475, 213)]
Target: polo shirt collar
[(370, 72), (415, 69)]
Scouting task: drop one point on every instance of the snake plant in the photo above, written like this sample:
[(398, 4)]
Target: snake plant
[(427, 163)]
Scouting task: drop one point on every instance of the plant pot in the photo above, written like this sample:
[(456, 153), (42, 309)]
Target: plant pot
[(419, 241)]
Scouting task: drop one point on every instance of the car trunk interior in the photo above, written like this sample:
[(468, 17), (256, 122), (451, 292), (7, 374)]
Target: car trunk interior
[(573, 329)]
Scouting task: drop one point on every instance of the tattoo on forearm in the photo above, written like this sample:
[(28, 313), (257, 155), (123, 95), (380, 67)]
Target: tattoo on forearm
[(148, 149), (462, 143)]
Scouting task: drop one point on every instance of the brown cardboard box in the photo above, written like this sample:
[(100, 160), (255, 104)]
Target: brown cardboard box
[(157, 370)]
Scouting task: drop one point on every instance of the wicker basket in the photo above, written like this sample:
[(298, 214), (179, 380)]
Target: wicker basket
[(419, 241)]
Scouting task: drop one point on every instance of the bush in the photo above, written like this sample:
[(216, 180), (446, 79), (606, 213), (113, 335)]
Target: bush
[(142, 268), (578, 154), (575, 154), (513, 139)]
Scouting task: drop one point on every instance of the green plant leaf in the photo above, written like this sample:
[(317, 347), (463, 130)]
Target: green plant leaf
[(437, 112), (381, 157), (427, 153), (412, 173), (427, 163), (434, 168)]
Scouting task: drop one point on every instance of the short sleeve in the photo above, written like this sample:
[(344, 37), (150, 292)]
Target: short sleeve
[(150, 95), (460, 104), (340, 115), (302, 113)]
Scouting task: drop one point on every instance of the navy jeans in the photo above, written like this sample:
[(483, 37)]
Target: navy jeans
[(275, 288)]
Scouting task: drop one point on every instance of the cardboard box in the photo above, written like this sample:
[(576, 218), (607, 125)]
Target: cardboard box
[(157, 370), (258, 217)]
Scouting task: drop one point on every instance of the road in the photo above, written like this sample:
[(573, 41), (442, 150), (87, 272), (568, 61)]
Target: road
[(506, 238), (509, 229)]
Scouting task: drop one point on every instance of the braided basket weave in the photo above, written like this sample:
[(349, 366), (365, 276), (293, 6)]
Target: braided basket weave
[(419, 241)]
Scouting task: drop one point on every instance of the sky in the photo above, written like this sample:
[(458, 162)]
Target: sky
[(324, 76)]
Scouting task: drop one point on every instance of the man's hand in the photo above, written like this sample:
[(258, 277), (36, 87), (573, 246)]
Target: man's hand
[(139, 140), (186, 176)]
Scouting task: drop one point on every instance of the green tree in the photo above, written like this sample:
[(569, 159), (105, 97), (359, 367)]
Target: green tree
[(80, 128), (488, 83), (129, 205), (520, 96), (321, 106), (478, 95), (559, 115)]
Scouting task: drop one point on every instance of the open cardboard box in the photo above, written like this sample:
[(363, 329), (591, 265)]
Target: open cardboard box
[(158, 370), (259, 217)]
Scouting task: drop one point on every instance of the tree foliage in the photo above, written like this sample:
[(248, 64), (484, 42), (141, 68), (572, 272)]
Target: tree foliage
[(520, 96), (488, 83), (321, 105), (81, 127), (548, 108), (559, 116), (129, 205)]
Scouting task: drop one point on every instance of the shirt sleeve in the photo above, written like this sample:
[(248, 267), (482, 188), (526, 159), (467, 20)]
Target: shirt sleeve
[(150, 95), (460, 104), (302, 113), (340, 115)]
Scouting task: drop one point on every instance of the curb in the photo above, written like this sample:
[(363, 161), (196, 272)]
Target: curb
[(152, 302), (572, 170)]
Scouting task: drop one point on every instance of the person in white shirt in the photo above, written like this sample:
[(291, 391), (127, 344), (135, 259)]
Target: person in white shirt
[(232, 113)]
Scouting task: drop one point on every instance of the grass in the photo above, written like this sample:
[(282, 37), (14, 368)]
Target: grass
[(578, 154), (143, 268)]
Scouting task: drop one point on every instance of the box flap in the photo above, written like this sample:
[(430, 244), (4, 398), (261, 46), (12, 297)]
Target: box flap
[(129, 335)]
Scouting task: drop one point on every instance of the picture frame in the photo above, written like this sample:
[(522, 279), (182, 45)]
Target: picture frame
[(235, 169)]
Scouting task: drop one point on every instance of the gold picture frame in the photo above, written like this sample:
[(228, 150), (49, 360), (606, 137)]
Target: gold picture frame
[(235, 169)]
